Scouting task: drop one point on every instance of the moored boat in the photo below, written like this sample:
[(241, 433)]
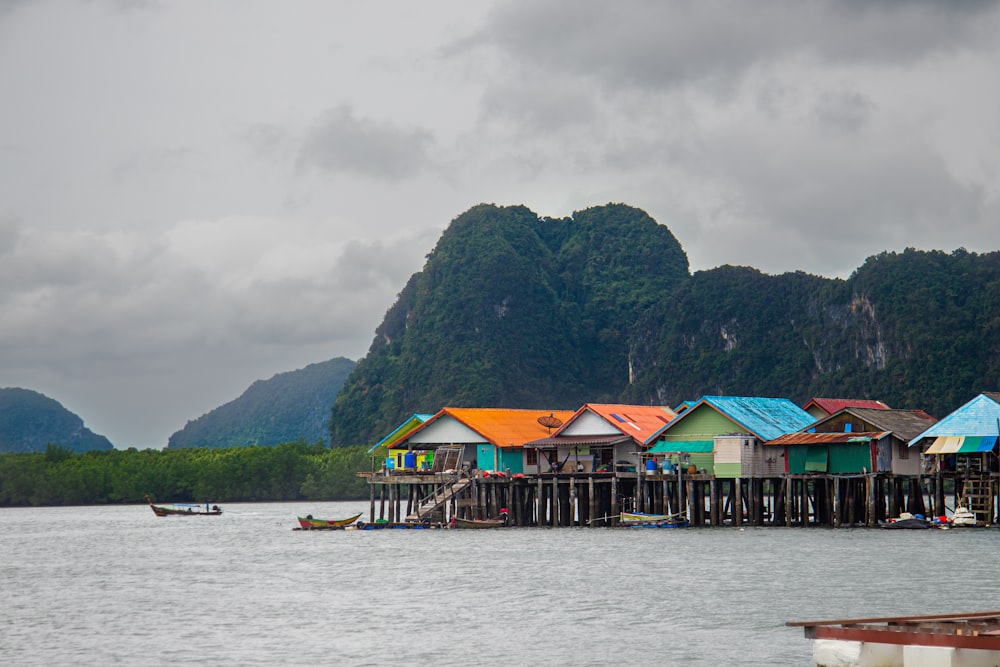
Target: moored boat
[(498, 522), (964, 517), (309, 523), (643, 520), (181, 509)]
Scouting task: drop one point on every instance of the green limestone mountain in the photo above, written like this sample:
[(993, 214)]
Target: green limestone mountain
[(30, 422), (289, 407), (513, 310)]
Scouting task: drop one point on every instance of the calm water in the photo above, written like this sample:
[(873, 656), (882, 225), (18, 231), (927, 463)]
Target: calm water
[(117, 585)]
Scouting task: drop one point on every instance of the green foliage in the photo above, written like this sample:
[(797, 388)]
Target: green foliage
[(30, 422), (287, 407), (289, 471), (916, 330), (512, 311)]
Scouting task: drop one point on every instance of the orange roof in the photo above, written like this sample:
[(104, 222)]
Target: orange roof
[(638, 421), (503, 427)]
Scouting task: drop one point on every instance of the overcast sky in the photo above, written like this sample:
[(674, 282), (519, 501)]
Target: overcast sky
[(197, 195)]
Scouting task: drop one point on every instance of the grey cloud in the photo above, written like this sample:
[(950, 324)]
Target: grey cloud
[(342, 142), (670, 43), (848, 111)]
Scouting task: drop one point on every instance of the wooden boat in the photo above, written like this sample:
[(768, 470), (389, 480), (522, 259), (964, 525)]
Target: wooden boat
[(309, 523), (907, 521), (184, 509), (643, 520), (498, 522), (964, 517)]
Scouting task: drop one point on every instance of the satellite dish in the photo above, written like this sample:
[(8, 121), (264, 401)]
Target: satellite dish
[(550, 421)]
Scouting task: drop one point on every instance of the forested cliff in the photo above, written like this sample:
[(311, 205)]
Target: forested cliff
[(513, 310)]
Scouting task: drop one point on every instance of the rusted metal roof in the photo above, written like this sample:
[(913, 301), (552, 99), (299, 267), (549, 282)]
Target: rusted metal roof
[(827, 438), (904, 424), (832, 405)]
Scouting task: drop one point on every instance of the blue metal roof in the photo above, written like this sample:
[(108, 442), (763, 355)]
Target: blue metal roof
[(409, 424), (980, 416), (767, 418)]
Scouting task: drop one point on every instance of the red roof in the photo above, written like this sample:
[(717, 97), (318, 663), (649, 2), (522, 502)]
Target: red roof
[(832, 405), (639, 422)]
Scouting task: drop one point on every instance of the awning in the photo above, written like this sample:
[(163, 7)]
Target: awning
[(578, 441), (681, 447), (962, 444)]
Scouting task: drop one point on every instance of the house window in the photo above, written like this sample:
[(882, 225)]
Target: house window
[(531, 457), (904, 451)]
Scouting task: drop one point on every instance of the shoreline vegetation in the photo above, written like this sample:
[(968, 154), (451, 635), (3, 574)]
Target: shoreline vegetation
[(289, 471)]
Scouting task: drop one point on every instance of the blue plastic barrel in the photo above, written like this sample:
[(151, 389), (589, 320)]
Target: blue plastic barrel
[(409, 460), (651, 465)]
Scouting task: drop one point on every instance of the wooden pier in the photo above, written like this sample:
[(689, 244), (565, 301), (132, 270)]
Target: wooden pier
[(596, 499)]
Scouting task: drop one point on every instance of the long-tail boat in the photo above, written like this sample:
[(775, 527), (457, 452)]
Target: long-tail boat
[(309, 523), (498, 522), (184, 509), (643, 520)]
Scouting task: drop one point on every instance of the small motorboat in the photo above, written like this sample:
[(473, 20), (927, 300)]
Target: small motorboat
[(309, 523), (180, 509)]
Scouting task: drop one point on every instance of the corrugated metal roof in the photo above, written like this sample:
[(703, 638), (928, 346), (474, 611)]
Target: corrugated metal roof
[(636, 421), (401, 431), (578, 440), (980, 416), (827, 438), (682, 447), (766, 418), (502, 427), (832, 405), (904, 424)]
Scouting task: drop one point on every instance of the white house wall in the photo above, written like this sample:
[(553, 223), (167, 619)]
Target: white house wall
[(445, 430), (589, 423)]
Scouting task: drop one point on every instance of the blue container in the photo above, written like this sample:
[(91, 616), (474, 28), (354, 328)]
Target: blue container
[(651, 465), (409, 460), (390, 463)]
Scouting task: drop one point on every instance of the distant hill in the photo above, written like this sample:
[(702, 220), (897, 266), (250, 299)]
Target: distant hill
[(30, 421), (514, 310), (288, 407)]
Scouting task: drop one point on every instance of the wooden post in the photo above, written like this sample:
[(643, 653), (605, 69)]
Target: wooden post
[(870, 506), (713, 502), (573, 501), (539, 502), (789, 501), (692, 508), (615, 512), (593, 500), (371, 499), (737, 507), (554, 503)]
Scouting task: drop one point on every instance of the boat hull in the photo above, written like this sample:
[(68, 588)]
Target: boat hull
[(166, 510), (309, 523)]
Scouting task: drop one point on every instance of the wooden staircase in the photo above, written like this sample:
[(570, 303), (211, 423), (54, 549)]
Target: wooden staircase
[(441, 495), (977, 495)]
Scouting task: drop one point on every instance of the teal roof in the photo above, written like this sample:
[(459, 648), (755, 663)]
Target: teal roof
[(682, 446), (766, 418), (416, 420), (980, 416)]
